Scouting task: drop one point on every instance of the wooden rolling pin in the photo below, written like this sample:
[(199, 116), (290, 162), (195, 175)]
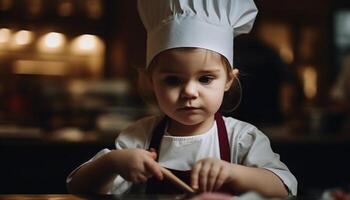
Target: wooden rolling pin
[(174, 179)]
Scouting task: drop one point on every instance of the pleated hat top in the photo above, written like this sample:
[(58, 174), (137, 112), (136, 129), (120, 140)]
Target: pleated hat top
[(208, 24)]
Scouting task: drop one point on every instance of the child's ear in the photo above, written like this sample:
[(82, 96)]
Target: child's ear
[(232, 75)]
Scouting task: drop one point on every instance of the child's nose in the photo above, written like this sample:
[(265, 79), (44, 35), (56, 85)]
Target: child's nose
[(189, 90)]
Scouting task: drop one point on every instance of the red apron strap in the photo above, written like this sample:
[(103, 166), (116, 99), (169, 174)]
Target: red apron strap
[(157, 135), (223, 138)]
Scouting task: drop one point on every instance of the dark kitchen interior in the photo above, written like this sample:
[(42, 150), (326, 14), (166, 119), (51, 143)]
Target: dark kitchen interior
[(68, 85)]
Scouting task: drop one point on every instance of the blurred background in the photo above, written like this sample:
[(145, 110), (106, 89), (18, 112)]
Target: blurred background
[(68, 85)]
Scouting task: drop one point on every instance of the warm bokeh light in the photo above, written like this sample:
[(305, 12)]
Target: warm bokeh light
[(309, 77), (278, 35), (287, 54), (87, 44), (5, 4), (94, 8), (34, 7), (40, 67), (23, 37), (90, 48), (65, 8), (5, 35), (52, 42)]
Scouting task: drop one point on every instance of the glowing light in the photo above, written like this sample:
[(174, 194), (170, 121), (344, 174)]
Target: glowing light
[(52, 42), (87, 44), (309, 76), (23, 37), (39, 67), (278, 36), (286, 54), (90, 48), (94, 8), (34, 7), (5, 35), (65, 8)]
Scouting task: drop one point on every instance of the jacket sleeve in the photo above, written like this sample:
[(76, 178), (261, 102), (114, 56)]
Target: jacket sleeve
[(254, 150)]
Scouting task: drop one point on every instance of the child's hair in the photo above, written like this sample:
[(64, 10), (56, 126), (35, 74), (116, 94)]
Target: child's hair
[(232, 97)]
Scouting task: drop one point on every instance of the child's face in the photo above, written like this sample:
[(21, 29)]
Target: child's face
[(189, 84)]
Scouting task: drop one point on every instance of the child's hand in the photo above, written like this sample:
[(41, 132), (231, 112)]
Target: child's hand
[(137, 165), (210, 174)]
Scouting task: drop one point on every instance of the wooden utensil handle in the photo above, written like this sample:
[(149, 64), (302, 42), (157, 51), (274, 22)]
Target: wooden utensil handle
[(168, 174)]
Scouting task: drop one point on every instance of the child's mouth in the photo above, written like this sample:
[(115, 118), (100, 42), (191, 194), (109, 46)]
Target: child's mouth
[(189, 108)]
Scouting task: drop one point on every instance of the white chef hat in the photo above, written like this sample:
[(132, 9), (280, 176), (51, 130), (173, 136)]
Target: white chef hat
[(209, 24)]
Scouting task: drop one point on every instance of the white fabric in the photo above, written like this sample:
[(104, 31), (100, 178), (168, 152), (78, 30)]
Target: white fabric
[(208, 24), (248, 145), (172, 146)]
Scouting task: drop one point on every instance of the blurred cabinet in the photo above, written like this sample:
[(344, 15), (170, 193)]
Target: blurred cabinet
[(64, 62), (54, 38)]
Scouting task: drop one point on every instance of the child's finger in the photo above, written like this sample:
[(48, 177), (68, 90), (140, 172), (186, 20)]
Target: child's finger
[(141, 178), (220, 179), (203, 176), (213, 175), (153, 153), (194, 175), (154, 169)]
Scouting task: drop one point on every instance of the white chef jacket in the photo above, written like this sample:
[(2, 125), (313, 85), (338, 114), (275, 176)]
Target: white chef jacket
[(248, 147)]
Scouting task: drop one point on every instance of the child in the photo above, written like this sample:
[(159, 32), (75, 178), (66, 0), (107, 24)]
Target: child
[(189, 66)]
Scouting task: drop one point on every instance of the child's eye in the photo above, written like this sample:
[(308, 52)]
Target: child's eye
[(172, 80), (207, 79)]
